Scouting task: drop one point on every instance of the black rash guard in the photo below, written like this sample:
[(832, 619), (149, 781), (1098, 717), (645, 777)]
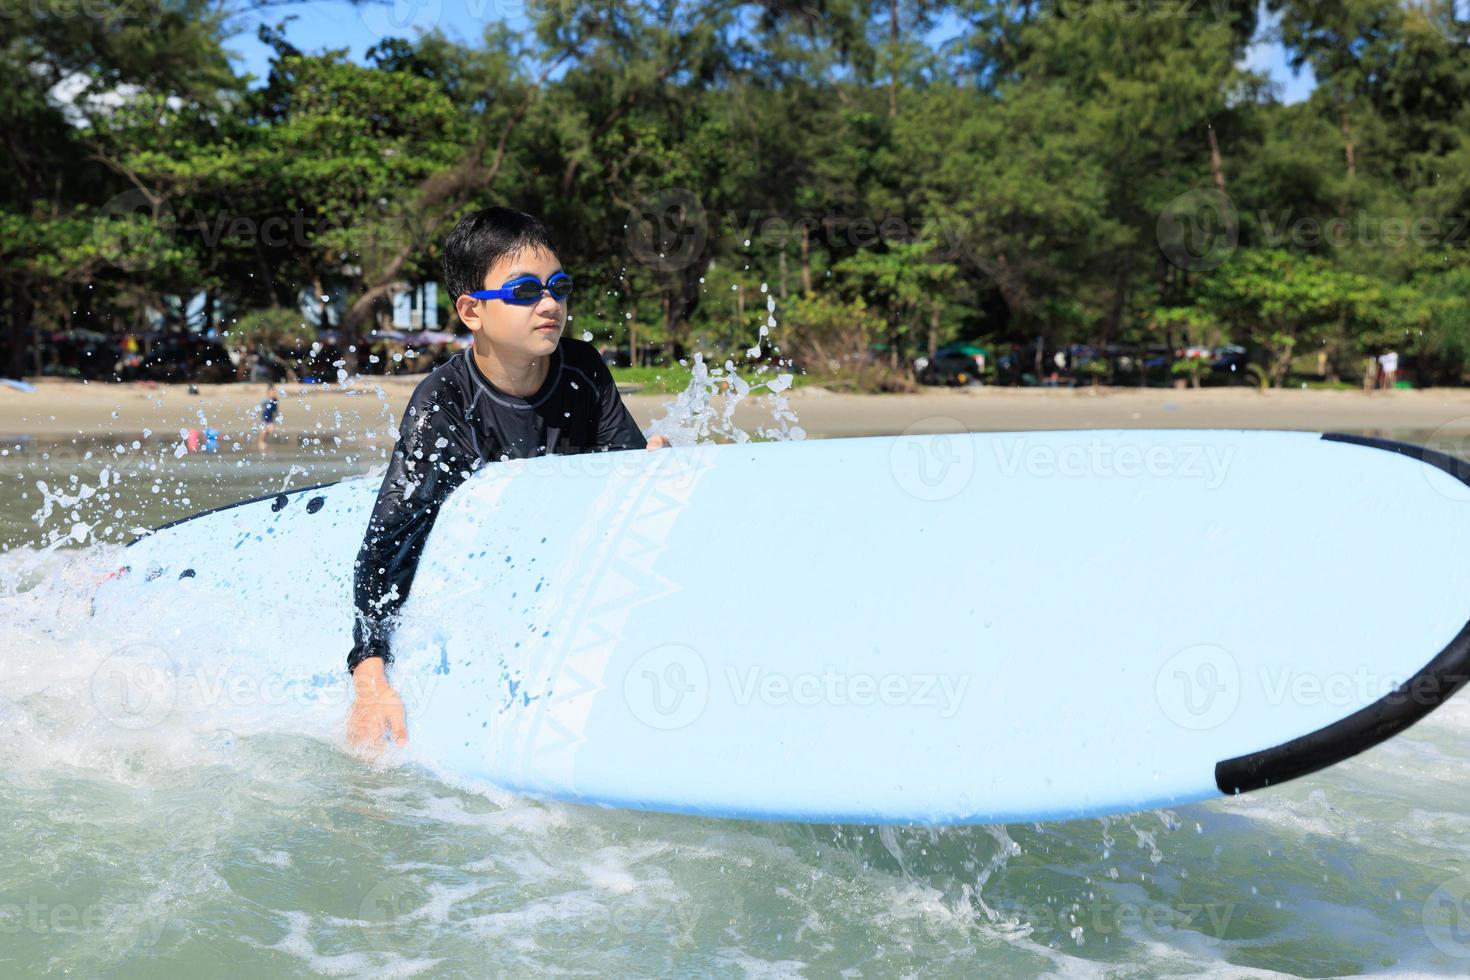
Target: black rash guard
[(456, 422)]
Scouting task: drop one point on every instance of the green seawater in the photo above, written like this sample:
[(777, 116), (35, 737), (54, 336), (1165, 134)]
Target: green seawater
[(196, 849)]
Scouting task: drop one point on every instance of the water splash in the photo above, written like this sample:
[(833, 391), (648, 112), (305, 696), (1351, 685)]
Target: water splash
[(705, 410)]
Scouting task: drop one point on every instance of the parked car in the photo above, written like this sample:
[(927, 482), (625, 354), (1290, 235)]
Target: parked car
[(954, 364), (179, 358), (79, 353), (1228, 366), (265, 366)]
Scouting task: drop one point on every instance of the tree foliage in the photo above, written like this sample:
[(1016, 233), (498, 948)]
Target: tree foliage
[(872, 177)]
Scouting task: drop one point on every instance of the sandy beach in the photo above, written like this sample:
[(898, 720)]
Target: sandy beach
[(60, 409)]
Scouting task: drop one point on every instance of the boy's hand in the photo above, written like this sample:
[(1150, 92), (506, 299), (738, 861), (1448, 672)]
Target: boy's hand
[(658, 442), (376, 708)]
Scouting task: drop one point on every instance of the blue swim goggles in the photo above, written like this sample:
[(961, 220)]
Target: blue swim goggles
[(525, 290)]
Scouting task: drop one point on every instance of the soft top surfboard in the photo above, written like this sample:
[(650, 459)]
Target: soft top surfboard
[(940, 629)]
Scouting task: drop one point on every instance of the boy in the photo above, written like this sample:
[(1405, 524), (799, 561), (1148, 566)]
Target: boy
[(268, 411), (521, 390)]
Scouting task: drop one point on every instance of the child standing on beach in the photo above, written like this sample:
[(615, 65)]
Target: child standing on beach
[(521, 390), (268, 410)]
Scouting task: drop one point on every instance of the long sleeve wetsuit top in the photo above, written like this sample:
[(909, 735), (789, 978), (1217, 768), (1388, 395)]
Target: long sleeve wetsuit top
[(456, 422)]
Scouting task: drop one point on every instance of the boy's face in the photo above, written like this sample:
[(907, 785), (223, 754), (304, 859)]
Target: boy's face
[(529, 331)]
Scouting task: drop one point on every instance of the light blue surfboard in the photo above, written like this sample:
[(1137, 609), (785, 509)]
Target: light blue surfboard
[(935, 629)]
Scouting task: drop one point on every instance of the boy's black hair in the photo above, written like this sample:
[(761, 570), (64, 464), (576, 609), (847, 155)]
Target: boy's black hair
[(484, 237)]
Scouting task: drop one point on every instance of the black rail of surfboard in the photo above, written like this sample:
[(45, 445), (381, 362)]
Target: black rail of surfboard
[(1395, 711), (282, 500)]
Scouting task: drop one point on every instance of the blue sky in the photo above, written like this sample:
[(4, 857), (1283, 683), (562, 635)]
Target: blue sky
[(1269, 58), (338, 24)]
